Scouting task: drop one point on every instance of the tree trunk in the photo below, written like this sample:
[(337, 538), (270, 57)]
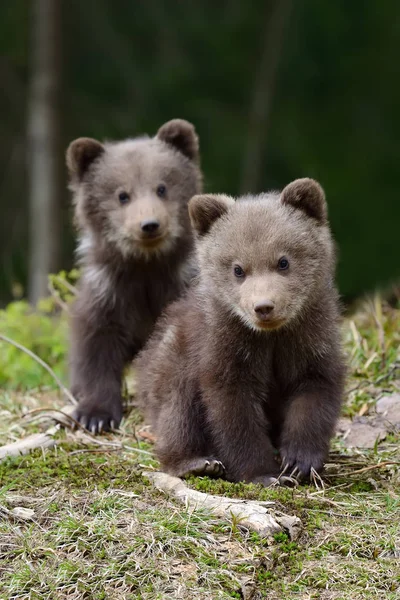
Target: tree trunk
[(43, 145), (263, 91)]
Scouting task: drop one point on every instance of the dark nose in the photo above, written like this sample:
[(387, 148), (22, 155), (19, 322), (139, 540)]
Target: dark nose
[(149, 226), (264, 308)]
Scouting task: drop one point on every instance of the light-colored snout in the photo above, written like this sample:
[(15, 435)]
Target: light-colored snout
[(150, 227), (264, 309), (262, 299), (147, 220), (266, 312)]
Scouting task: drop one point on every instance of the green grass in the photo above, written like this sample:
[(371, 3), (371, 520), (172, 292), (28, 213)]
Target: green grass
[(101, 531)]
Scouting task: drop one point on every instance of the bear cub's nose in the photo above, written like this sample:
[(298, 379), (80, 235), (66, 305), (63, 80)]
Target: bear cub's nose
[(149, 226), (264, 308)]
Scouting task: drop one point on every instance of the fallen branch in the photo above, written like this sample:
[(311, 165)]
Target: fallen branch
[(43, 364), (37, 440), (250, 514), (62, 416)]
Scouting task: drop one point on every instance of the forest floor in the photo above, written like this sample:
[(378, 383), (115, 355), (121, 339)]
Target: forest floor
[(79, 520)]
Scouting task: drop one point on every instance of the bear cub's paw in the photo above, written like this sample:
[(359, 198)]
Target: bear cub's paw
[(201, 466), (97, 418), (298, 463)]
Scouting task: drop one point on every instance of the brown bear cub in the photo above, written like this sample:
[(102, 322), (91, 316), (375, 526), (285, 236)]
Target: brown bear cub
[(250, 360), (136, 240)]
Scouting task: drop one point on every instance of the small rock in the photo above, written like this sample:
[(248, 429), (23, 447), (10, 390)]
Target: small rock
[(364, 434), (23, 513), (343, 425), (389, 407)]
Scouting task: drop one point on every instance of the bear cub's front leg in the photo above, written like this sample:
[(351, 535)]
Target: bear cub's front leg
[(98, 357), (308, 428)]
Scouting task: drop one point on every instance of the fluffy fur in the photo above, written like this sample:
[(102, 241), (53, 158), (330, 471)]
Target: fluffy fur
[(250, 360), (130, 202)]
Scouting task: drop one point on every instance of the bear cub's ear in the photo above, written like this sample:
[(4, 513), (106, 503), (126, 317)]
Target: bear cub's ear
[(182, 136), (306, 194), (80, 155), (205, 209)]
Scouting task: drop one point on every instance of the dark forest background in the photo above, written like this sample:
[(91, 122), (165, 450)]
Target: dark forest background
[(277, 89)]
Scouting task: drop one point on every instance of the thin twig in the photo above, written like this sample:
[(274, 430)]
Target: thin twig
[(386, 463), (63, 305), (334, 514), (49, 409), (325, 500), (332, 487), (118, 446), (95, 450), (43, 364), (377, 315)]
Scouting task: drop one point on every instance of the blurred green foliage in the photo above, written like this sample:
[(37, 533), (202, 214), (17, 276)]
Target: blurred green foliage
[(43, 331), (130, 66)]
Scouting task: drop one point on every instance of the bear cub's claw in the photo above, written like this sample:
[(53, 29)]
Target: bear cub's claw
[(276, 480), (97, 421), (299, 467)]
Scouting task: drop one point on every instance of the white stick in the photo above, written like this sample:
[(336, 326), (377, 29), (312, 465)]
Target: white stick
[(37, 440), (247, 513)]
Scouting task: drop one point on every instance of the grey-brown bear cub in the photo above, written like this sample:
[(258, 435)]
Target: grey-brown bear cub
[(131, 210), (250, 360)]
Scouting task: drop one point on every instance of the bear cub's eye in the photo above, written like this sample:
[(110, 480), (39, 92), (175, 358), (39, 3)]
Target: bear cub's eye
[(123, 197), (238, 271), (161, 191), (283, 263)]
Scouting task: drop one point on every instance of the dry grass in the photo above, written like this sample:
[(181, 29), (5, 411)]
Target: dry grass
[(98, 530)]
